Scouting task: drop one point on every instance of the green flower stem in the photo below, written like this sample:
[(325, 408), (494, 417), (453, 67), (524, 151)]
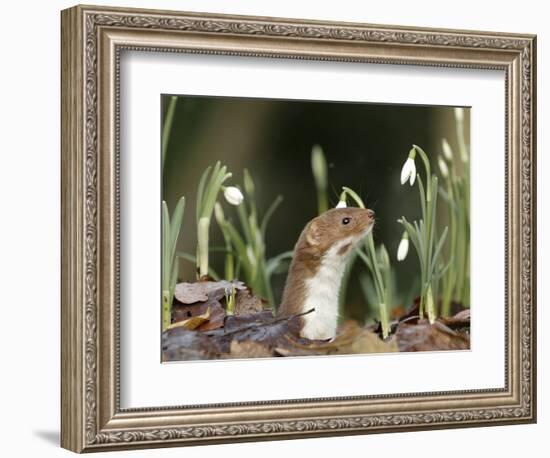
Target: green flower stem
[(428, 168), (424, 237), (373, 263), (428, 236)]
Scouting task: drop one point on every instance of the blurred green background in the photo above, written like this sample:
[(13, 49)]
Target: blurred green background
[(365, 146)]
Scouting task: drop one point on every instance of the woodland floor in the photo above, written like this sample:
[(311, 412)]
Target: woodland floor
[(202, 329)]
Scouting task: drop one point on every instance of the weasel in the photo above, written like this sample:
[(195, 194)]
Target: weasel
[(318, 263)]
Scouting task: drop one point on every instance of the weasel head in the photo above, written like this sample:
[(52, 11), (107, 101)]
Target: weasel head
[(339, 228)]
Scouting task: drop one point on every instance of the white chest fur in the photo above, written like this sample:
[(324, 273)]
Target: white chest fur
[(322, 295)]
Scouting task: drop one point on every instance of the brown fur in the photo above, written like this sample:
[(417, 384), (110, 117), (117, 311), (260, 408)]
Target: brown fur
[(316, 238)]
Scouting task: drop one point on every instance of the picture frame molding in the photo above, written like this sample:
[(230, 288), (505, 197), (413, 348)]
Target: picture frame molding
[(92, 41)]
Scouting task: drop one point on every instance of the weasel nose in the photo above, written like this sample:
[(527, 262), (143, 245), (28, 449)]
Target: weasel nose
[(371, 214)]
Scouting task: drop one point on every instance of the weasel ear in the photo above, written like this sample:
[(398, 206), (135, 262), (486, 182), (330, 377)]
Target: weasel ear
[(313, 235)]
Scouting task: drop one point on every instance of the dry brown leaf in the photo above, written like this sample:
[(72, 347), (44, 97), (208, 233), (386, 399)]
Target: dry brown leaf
[(189, 293), (236, 322), (191, 323), (181, 344), (182, 312), (216, 319), (426, 337), (369, 342), (202, 291), (249, 349), (461, 319), (351, 339)]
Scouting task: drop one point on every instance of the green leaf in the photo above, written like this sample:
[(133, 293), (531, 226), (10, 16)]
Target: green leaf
[(200, 191), (432, 221), (369, 292), (319, 167), (210, 193), (373, 267), (240, 247), (448, 199), (438, 249), (245, 224), (165, 246), (173, 280), (443, 270), (414, 234), (273, 265), (175, 227), (167, 126), (320, 175), (269, 213), (420, 229), (217, 178), (255, 231), (248, 183), (366, 260), (250, 190), (383, 257)]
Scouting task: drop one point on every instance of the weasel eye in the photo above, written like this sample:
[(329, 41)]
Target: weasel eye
[(346, 220)]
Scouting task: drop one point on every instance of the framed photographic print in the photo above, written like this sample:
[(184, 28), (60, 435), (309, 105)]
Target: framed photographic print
[(278, 228)]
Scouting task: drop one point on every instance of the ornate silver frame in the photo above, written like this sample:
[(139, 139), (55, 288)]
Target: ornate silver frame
[(92, 40)]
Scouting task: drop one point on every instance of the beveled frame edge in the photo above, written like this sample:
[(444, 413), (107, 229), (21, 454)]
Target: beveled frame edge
[(92, 38)]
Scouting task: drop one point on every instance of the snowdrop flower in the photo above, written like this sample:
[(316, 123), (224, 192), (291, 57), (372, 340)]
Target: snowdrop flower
[(408, 172), (446, 148), (342, 202), (233, 195), (403, 248), (443, 167)]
